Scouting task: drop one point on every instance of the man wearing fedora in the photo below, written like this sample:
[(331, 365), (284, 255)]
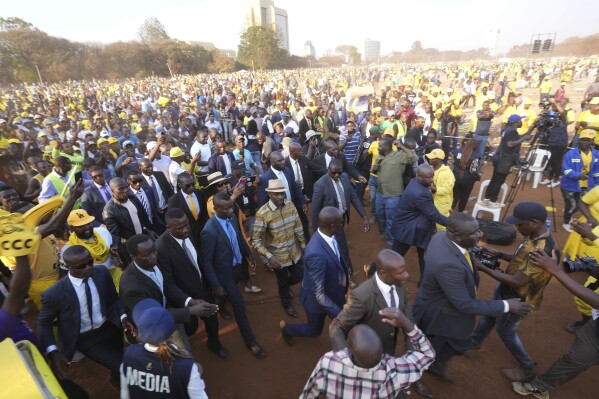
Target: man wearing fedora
[(279, 237)]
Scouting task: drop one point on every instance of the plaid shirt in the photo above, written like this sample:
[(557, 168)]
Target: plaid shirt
[(335, 375), (279, 232)]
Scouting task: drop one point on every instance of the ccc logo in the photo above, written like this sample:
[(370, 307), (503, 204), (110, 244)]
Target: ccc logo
[(17, 244)]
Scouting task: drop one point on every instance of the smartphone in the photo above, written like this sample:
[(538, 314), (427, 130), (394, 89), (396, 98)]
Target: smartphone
[(78, 176)]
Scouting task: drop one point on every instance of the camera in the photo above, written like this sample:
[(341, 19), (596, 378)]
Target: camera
[(485, 258), (586, 264)]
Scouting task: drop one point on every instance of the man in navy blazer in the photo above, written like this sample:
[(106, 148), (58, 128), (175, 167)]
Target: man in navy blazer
[(135, 181), (95, 327), (218, 161), (278, 170), (446, 305), (325, 278), (96, 195), (416, 216), (225, 256)]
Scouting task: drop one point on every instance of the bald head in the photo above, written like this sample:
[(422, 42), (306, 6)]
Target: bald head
[(364, 346), (391, 267), (328, 216), (424, 169)]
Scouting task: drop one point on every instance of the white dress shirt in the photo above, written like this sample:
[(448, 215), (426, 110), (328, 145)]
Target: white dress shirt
[(327, 160), (297, 171), (99, 319), (142, 193), (281, 176), (204, 151), (332, 242), (227, 163), (156, 277), (161, 198), (386, 291), (174, 170)]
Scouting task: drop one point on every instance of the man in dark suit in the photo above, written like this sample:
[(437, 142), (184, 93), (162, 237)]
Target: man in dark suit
[(372, 296), (332, 152), (417, 132), (325, 278), (446, 305), (221, 160), (157, 182), (96, 195), (142, 279), (179, 260), (144, 196), (303, 170), (416, 216), (91, 317), (225, 254), (305, 124), (293, 193), (331, 130), (197, 214), (334, 189)]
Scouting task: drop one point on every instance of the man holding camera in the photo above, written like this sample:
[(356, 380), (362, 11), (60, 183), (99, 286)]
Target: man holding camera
[(522, 279)]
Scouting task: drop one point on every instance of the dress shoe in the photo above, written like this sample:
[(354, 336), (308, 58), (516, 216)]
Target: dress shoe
[(529, 389), (441, 372), (288, 338), (421, 389), (224, 313), (257, 350), (519, 374), (290, 310), (221, 352), (291, 294)]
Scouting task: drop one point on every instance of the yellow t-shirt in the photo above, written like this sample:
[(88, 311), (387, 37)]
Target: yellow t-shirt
[(545, 87), (530, 117), (592, 122), (509, 111), (586, 167)]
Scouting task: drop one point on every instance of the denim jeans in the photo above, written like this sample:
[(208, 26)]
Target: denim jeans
[(506, 326), (482, 144), (257, 156), (571, 199), (385, 211), (373, 185)]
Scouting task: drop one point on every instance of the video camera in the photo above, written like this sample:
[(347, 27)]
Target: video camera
[(586, 264), (485, 258), (548, 118)]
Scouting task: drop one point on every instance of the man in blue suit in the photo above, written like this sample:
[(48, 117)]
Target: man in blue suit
[(416, 216), (325, 278), (278, 170), (96, 195)]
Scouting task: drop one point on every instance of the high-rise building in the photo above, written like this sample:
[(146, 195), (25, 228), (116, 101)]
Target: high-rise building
[(372, 50), (309, 50), (264, 13)]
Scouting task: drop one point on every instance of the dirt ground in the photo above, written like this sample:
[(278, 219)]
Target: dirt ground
[(284, 371)]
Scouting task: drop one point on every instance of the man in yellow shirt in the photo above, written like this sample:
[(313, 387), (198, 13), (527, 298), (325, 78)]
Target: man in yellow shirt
[(589, 119), (545, 88), (528, 114), (443, 182)]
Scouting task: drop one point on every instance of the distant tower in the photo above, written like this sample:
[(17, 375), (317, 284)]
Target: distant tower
[(372, 50), (264, 13), (309, 50)]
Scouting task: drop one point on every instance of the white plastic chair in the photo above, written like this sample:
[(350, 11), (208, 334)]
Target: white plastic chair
[(536, 168), (480, 207)]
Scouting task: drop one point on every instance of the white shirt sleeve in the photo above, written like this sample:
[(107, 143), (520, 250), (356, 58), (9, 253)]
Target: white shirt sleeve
[(124, 386), (196, 389)]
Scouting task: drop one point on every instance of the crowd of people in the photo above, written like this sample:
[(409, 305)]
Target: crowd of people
[(168, 195)]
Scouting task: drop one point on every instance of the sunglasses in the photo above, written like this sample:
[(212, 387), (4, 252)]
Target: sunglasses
[(97, 176), (83, 265)]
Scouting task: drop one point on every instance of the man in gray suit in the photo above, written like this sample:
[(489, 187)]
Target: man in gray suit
[(446, 306), (383, 290)]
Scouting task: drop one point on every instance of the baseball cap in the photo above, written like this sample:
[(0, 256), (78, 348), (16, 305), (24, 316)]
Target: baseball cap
[(151, 145), (528, 101), (42, 133), (437, 153), (594, 101), (79, 217), (375, 130), (514, 118), (526, 211), (176, 152), (238, 165), (112, 140), (587, 134), (154, 323), (126, 143)]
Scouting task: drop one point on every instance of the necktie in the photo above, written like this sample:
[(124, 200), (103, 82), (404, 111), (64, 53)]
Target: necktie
[(467, 256), (145, 204), (341, 194), (106, 193), (283, 179), (392, 294), (234, 243), (192, 207), (188, 254), (88, 297), (298, 174), (336, 248), (154, 190), (155, 279)]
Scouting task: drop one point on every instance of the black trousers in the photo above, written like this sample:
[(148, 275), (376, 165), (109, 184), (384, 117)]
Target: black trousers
[(286, 277), (104, 346), (402, 249), (344, 250), (555, 162), (571, 199), (461, 193), (495, 184)]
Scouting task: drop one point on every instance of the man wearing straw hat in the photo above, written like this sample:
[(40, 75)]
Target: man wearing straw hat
[(279, 237)]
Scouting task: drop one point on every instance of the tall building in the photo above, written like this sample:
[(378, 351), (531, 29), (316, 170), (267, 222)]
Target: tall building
[(372, 50), (309, 50), (264, 13)]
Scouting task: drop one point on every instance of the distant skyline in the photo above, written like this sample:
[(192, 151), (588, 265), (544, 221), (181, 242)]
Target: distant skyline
[(445, 25)]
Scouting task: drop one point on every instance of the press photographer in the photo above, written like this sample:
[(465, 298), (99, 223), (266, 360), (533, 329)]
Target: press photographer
[(552, 125)]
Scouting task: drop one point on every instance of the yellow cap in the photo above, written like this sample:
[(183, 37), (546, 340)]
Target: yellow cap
[(437, 153), (176, 152), (527, 101), (594, 101), (587, 134), (79, 217)]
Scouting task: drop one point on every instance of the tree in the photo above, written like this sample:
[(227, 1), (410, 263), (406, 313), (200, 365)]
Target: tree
[(354, 57), (258, 47), (416, 46), (152, 30), (13, 23), (346, 49), (221, 62)]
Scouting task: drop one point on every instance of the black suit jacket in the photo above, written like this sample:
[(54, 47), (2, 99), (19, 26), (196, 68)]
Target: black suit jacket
[(321, 164), (418, 135), (325, 195), (93, 202), (179, 201), (60, 302), (157, 223), (217, 253), (296, 193), (135, 286), (304, 127), (118, 221), (363, 308), (446, 303), (308, 169), (165, 186)]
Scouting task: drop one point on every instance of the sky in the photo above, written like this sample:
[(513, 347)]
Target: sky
[(442, 24)]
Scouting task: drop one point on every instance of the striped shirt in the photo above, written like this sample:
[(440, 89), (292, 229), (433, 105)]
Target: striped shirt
[(336, 376), (279, 232)]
